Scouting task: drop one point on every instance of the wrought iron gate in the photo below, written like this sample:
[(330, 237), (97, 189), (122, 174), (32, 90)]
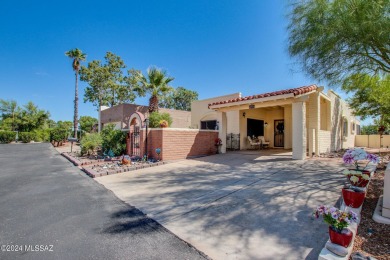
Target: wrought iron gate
[(135, 142), (233, 142), (279, 133)]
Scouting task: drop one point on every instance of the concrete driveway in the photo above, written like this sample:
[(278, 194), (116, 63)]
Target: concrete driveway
[(49, 209), (239, 205)]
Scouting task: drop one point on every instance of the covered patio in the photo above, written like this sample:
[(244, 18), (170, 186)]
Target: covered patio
[(294, 119)]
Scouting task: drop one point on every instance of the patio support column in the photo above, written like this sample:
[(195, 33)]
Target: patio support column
[(299, 130), (222, 129)]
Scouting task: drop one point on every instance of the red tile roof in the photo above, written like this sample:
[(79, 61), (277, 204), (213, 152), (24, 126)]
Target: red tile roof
[(295, 91)]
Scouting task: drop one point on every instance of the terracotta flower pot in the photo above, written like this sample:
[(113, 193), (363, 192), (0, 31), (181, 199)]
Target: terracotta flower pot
[(343, 239), (362, 182), (353, 199)]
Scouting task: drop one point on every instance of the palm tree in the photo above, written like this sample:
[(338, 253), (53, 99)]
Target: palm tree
[(77, 56), (156, 84)]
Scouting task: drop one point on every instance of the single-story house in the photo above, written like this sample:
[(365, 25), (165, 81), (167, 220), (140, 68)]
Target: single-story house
[(303, 119)]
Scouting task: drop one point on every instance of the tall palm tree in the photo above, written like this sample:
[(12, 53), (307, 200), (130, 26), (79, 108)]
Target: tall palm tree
[(156, 84), (77, 56)]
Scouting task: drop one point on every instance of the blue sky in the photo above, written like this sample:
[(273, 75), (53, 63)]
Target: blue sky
[(213, 47)]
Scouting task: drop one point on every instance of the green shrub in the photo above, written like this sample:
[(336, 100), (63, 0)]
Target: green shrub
[(155, 118), (26, 137), (90, 143), (113, 139), (58, 135), (42, 135), (7, 136)]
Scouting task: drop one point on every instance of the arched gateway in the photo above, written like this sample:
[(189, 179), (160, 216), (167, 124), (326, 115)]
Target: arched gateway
[(136, 122)]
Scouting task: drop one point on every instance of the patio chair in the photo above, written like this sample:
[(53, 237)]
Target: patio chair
[(253, 143), (263, 143)]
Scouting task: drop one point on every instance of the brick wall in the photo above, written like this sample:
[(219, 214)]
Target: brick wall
[(176, 143)]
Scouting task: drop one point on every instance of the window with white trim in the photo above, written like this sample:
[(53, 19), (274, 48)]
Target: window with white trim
[(345, 127), (209, 125)]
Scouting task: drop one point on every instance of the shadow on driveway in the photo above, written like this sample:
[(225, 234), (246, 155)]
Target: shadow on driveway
[(238, 205)]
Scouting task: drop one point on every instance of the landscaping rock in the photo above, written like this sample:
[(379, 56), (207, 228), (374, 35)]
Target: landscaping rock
[(361, 256), (336, 249)]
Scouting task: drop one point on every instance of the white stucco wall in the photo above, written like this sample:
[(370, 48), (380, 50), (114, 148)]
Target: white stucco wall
[(287, 127), (201, 112), (233, 122), (324, 139), (299, 130), (339, 110), (312, 123)]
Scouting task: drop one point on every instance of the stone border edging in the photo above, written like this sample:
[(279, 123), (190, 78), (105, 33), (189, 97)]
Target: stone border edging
[(93, 174), (71, 159)]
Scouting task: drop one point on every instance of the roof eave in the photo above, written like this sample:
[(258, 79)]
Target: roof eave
[(254, 100)]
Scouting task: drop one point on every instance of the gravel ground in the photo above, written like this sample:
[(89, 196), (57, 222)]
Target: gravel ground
[(373, 238)]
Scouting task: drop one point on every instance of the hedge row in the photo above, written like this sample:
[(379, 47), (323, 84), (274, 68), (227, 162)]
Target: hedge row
[(7, 136), (26, 137), (46, 135), (58, 135)]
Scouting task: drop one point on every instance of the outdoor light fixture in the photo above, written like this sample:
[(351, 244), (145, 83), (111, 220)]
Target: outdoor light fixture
[(265, 124), (243, 114)]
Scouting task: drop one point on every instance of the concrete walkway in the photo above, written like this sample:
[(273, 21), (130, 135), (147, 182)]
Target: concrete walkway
[(239, 205)]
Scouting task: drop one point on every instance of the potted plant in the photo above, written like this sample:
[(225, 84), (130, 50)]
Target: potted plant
[(338, 222), (358, 176), (163, 123)]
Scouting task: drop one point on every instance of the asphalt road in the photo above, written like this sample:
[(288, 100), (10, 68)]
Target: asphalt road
[(49, 209)]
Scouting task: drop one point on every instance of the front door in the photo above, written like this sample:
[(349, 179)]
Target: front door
[(279, 133)]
